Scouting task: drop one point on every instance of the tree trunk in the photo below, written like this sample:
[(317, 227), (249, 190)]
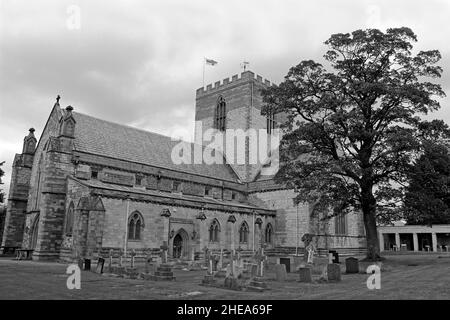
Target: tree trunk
[(370, 224)]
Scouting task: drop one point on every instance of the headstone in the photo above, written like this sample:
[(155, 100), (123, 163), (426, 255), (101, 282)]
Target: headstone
[(280, 271), (100, 264), (334, 272), (305, 274), (351, 265), (229, 272)]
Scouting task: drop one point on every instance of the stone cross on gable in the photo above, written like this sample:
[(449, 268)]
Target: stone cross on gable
[(164, 249)]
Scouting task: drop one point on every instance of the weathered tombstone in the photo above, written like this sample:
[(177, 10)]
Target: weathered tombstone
[(334, 272), (305, 274), (100, 265), (351, 265), (280, 271)]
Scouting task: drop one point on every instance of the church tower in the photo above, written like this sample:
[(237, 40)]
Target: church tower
[(234, 103)]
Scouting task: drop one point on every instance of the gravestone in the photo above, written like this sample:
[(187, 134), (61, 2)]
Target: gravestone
[(351, 265), (280, 271), (287, 263), (100, 264), (305, 274), (334, 272)]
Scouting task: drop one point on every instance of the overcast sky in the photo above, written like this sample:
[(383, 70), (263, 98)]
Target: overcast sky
[(140, 62)]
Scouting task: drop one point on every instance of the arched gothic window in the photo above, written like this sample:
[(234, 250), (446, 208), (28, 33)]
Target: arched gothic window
[(214, 231), (69, 219), (243, 233), (221, 115), (269, 233), (135, 226)]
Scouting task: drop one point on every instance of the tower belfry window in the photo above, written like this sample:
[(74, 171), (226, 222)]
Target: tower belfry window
[(270, 118), (221, 115)]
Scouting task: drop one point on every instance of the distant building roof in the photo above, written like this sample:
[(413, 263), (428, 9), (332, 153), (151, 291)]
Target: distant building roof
[(101, 137)]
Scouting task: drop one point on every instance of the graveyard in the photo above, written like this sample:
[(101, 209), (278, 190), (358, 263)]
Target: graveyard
[(231, 276)]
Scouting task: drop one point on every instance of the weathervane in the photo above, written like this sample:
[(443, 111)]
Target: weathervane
[(244, 65)]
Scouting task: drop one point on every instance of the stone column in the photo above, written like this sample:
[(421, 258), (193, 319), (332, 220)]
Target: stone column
[(381, 241), (434, 241), (415, 242), (397, 240)]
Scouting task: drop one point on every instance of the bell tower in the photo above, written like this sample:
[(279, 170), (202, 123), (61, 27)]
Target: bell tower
[(234, 103)]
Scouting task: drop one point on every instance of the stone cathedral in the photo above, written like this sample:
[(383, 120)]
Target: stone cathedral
[(89, 185)]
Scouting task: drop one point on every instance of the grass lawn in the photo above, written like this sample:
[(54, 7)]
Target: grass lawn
[(412, 276)]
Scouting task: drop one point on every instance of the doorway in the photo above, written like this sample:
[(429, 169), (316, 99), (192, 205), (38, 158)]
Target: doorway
[(177, 246)]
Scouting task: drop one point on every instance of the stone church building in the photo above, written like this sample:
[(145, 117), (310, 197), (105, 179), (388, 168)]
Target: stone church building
[(89, 185)]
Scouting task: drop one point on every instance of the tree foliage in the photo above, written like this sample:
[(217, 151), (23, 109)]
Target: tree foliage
[(427, 198), (351, 132)]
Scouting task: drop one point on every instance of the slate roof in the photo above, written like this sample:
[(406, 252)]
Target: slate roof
[(101, 137)]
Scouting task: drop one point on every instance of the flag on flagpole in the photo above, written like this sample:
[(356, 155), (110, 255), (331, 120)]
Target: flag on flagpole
[(210, 62)]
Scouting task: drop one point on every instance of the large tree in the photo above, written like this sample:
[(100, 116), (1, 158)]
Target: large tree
[(351, 131)]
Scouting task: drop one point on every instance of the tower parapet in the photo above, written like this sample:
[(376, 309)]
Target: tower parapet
[(234, 80)]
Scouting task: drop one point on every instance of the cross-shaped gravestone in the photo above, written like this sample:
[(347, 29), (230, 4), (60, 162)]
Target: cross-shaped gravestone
[(133, 255), (164, 248)]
